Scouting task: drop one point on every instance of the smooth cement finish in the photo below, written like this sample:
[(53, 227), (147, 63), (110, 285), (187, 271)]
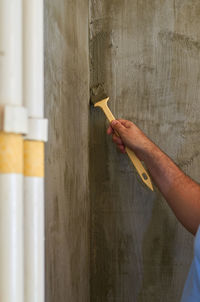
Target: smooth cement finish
[(108, 238), (67, 165)]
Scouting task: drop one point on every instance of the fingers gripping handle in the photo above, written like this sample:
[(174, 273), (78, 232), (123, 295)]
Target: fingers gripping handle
[(135, 160)]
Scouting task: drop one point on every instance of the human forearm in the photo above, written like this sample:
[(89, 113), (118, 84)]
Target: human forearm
[(180, 191)]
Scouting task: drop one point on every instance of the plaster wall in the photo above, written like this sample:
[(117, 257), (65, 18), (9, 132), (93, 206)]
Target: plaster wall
[(67, 203), (147, 55), (108, 238)]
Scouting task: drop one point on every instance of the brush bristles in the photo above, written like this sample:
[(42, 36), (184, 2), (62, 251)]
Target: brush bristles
[(97, 94)]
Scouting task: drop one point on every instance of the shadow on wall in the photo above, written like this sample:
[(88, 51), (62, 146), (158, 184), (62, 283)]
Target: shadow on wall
[(158, 245)]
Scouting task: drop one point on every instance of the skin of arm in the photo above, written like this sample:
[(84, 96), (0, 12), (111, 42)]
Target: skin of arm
[(179, 190)]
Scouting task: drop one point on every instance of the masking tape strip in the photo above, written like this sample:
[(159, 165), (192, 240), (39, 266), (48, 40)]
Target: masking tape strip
[(11, 153), (33, 158)]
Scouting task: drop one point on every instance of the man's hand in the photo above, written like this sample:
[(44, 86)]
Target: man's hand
[(131, 136), (180, 191)]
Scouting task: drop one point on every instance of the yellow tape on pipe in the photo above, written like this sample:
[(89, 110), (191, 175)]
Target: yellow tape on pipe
[(33, 158), (11, 153)]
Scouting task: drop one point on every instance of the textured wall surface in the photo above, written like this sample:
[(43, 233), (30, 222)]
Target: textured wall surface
[(108, 238), (67, 204), (147, 55)]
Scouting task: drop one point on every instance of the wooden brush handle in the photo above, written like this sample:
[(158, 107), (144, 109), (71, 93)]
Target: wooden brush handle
[(134, 159), (140, 168)]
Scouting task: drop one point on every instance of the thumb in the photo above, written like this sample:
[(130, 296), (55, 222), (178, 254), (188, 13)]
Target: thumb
[(117, 126)]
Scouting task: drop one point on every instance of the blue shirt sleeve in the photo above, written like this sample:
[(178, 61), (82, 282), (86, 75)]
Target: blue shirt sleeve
[(191, 292)]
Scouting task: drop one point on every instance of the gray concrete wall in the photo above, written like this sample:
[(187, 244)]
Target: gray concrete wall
[(146, 53), (108, 238), (67, 203)]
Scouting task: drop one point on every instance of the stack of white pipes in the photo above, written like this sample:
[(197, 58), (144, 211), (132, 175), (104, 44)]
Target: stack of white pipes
[(21, 161)]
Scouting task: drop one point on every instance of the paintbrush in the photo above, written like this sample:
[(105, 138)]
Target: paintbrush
[(100, 99)]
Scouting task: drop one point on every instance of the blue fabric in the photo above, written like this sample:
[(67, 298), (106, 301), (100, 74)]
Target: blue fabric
[(191, 292)]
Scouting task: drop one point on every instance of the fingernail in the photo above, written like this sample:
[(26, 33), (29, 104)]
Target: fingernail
[(114, 122)]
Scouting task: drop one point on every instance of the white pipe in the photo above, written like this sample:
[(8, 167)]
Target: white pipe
[(34, 239), (34, 185), (11, 183), (11, 238), (33, 58), (10, 52)]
